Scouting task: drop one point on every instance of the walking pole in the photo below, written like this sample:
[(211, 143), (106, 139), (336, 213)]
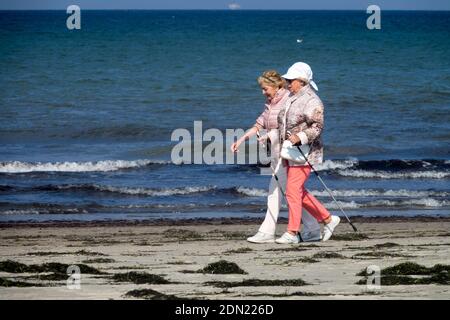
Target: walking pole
[(278, 181), (274, 174), (326, 188)]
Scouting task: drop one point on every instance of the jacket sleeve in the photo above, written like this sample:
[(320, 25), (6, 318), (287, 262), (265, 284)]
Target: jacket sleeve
[(260, 119), (314, 121)]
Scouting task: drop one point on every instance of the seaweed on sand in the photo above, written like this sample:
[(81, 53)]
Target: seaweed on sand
[(401, 274), (328, 255), (222, 267), (350, 236), (150, 294), (55, 267), (258, 283), (12, 283), (140, 278)]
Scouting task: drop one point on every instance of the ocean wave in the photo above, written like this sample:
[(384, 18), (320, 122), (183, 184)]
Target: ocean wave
[(6, 188), (7, 208), (394, 175), (44, 211), (400, 164), (94, 208), (255, 192), (240, 191), (125, 190), (36, 209), (103, 166), (382, 193), (385, 165), (427, 202), (406, 204), (388, 169), (251, 192), (335, 164)]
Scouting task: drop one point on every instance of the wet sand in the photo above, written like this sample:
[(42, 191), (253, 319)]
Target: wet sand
[(176, 250)]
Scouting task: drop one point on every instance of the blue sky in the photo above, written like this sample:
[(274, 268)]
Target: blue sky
[(223, 4)]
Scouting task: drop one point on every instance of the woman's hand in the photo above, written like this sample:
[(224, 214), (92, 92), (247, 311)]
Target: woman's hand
[(234, 147), (294, 139), (263, 139)]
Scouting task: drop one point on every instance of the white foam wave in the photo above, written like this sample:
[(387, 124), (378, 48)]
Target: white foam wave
[(20, 212), (394, 175), (335, 164), (343, 205), (153, 192), (427, 202), (106, 165), (252, 192), (381, 193), (42, 211)]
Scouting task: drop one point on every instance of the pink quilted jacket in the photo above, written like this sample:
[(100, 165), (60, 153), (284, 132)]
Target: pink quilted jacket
[(269, 118)]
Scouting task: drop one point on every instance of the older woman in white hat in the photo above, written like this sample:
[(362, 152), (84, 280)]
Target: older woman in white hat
[(301, 122), (273, 88)]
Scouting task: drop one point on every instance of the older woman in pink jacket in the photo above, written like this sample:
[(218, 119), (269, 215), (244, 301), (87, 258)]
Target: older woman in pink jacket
[(273, 87)]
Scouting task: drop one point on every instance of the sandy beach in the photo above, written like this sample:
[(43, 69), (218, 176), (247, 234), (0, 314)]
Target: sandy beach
[(168, 259)]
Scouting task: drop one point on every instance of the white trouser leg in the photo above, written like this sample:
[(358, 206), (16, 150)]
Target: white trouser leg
[(310, 224), (274, 197)]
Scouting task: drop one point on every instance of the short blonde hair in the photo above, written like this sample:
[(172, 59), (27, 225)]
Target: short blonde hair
[(271, 78)]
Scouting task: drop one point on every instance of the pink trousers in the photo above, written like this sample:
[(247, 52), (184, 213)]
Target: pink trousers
[(298, 197)]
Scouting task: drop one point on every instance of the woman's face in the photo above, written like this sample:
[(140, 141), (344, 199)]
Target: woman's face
[(268, 91), (295, 85)]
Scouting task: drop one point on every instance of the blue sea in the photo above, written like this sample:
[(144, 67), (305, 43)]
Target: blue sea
[(87, 115)]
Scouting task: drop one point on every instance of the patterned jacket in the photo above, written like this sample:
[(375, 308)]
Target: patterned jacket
[(304, 118)]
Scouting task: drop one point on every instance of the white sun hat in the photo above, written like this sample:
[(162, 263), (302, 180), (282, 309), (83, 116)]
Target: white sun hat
[(301, 70)]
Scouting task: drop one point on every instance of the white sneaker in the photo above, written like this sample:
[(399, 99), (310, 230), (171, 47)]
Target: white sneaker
[(288, 238), (329, 227), (261, 237), (310, 236)]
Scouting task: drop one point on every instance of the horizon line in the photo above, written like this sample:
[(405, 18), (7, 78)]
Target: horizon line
[(233, 10)]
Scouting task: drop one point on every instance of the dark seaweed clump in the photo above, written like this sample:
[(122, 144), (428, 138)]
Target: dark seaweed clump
[(386, 245), (380, 254), (99, 260), (150, 294), (56, 267), (328, 255), (182, 234), (257, 283), (350, 237), (222, 267), (140, 278), (57, 271), (400, 274), (240, 250), (12, 283), (411, 268)]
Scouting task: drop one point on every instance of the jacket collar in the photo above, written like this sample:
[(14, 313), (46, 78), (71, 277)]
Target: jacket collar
[(300, 93), (278, 96)]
